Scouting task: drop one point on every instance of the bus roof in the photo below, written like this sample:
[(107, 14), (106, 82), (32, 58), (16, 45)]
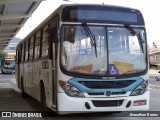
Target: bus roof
[(59, 10)]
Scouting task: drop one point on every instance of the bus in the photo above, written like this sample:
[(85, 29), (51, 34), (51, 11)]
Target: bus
[(86, 58), (8, 65)]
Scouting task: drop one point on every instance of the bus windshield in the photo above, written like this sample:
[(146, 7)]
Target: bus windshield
[(8, 63), (119, 52)]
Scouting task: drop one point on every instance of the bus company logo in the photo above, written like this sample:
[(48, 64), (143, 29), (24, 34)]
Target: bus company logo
[(6, 114), (108, 93)]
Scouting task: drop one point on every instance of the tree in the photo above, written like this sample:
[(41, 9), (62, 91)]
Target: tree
[(2, 55)]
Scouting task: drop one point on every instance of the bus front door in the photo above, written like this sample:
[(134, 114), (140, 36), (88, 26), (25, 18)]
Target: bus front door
[(53, 50)]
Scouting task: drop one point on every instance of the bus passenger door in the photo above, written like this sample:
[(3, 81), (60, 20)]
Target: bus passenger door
[(53, 55)]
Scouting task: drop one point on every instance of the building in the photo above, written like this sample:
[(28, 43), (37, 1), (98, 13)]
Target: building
[(154, 55)]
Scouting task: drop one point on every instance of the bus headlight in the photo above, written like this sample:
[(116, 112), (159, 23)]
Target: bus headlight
[(70, 90), (140, 89)]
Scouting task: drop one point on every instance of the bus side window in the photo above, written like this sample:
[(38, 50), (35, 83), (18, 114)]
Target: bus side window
[(54, 30), (53, 37), (44, 43), (37, 45), (26, 51), (19, 57), (31, 48), (54, 34), (23, 52)]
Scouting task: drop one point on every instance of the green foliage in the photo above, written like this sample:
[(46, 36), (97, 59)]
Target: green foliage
[(2, 55)]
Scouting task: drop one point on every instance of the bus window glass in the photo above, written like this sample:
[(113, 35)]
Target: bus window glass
[(8, 65), (124, 50), (45, 49), (11, 63), (78, 54), (37, 45), (26, 50), (36, 51), (45, 34), (30, 53), (45, 41), (26, 55), (24, 45), (31, 48), (32, 42)]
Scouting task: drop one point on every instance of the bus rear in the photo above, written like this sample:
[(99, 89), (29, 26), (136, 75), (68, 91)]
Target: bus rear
[(103, 61)]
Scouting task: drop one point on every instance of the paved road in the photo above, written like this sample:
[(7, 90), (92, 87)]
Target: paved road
[(153, 82), (11, 100)]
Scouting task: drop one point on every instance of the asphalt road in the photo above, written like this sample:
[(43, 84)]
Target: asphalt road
[(11, 100)]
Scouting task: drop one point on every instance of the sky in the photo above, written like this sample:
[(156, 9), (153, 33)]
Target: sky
[(149, 8)]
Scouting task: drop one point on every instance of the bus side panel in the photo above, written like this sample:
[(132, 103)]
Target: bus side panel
[(50, 85), (27, 78), (36, 79), (30, 77), (41, 73)]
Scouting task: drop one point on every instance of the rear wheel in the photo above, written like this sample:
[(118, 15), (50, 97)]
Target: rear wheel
[(24, 94)]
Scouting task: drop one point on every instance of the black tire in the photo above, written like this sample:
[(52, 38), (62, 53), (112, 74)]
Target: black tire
[(157, 79), (2, 72), (24, 94), (43, 99), (43, 96)]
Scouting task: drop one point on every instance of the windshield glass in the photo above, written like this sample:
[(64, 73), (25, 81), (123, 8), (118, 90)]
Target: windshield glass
[(125, 51), (118, 51), (9, 63)]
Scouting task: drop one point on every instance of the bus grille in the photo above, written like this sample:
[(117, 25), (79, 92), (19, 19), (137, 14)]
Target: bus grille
[(94, 93), (108, 103), (106, 84), (102, 93)]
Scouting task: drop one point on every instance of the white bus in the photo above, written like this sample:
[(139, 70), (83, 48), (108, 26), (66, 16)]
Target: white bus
[(86, 58)]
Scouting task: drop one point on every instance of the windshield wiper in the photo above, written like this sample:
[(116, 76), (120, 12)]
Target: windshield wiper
[(91, 36), (133, 32)]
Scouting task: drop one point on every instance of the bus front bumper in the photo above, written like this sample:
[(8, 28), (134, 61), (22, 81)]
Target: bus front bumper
[(67, 105)]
